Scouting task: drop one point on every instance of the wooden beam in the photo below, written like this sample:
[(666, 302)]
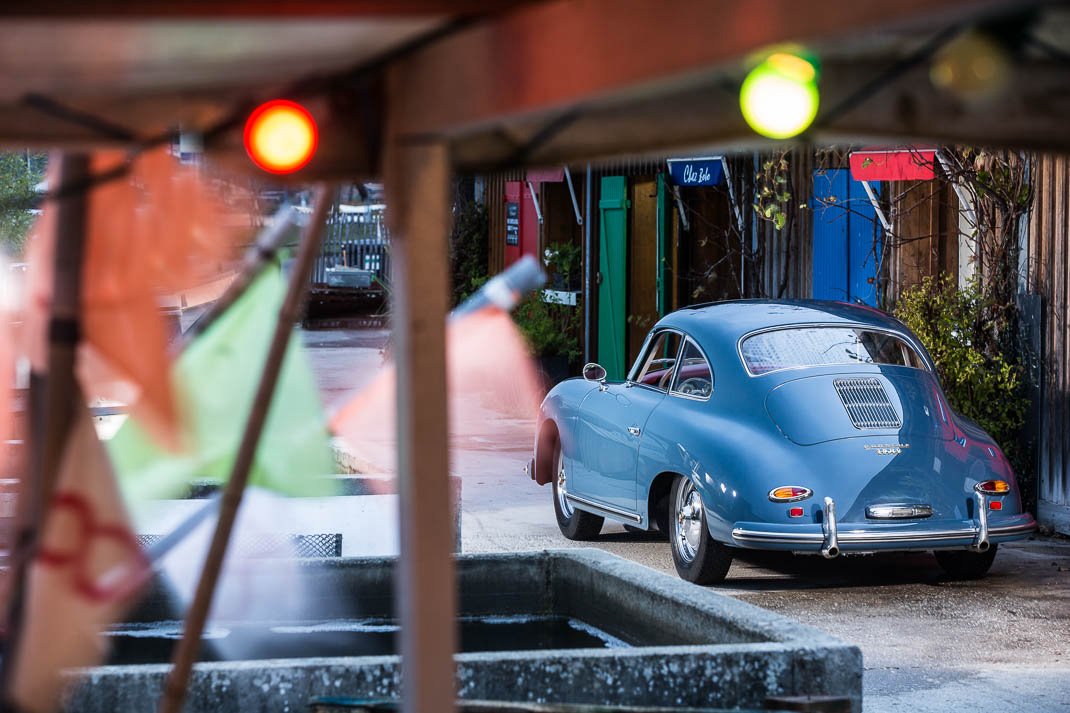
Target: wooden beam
[(1031, 113), (253, 8), (417, 183), (543, 59)]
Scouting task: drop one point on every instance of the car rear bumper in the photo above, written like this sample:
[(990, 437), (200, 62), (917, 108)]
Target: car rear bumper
[(883, 536)]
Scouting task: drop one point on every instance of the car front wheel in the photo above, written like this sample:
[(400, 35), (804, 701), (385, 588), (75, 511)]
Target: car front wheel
[(966, 565), (575, 524), (698, 558)]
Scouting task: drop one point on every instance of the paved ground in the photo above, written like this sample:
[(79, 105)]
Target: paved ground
[(929, 644)]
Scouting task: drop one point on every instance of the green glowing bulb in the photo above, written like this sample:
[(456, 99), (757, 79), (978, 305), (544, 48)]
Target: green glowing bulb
[(779, 97)]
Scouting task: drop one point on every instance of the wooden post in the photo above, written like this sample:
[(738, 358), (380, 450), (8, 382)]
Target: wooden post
[(417, 181), (54, 393)]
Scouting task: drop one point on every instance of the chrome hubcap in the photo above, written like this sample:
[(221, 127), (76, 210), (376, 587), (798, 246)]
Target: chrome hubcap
[(687, 524), (562, 488)]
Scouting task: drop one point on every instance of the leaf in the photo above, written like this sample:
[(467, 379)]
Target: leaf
[(780, 220), (866, 162)]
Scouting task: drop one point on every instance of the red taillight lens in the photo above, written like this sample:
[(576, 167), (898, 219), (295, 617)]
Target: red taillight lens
[(993, 487), (789, 493), (795, 512), (995, 505)]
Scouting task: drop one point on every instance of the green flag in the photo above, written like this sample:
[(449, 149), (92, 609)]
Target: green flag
[(215, 380)]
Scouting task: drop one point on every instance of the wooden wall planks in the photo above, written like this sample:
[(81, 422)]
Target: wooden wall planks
[(1049, 276)]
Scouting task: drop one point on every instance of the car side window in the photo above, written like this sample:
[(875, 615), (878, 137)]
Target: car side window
[(656, 365), (694, 378)]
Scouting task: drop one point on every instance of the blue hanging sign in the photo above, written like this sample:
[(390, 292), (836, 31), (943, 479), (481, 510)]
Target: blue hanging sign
[(705, 171)]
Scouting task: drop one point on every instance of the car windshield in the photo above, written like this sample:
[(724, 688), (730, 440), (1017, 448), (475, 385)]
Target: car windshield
[(823, 346)]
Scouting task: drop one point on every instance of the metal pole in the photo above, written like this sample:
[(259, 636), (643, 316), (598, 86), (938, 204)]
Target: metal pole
[(187, 650), (875, 202), (588, 280), (572, 194), (535, 201), (53, 393)]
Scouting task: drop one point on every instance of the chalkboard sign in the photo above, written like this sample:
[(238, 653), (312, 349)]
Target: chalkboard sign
[(512, 223)]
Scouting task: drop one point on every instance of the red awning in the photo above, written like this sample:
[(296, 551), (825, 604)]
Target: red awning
[(906, 164)]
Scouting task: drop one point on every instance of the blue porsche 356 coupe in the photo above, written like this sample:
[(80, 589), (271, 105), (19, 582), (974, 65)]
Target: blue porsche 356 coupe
[(812, 427)]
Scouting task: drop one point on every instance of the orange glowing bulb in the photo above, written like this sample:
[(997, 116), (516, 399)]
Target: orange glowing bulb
[(281, 136)]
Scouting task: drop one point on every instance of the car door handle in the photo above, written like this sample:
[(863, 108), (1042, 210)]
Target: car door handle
[(634, 430)]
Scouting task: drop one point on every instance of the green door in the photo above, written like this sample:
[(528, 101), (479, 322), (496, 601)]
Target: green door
[(612, 269)]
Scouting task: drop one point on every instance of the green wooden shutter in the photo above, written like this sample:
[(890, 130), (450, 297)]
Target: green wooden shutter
[(664, 247), (612, 266)]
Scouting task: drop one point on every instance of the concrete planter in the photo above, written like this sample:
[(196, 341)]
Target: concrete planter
[(687, 646)]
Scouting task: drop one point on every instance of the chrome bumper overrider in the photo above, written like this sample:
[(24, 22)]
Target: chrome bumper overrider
[(832, 539)]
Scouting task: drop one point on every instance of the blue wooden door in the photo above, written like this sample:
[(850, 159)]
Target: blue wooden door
[(847, 239)]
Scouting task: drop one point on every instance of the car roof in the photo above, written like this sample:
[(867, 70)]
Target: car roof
[(730, 320)]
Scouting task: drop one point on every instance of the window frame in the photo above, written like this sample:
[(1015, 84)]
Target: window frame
[(702, 353), (909, 339), (633, 374)]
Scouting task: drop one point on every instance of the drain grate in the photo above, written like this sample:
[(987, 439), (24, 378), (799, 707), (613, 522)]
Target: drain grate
[(279, 545), (867, 403)]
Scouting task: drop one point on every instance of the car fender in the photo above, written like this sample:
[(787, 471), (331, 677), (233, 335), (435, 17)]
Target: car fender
[(558, 412)]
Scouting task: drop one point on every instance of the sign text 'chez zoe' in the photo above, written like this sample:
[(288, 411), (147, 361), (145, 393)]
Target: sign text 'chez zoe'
[(707, 171)]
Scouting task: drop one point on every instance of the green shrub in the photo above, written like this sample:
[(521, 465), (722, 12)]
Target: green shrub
[(554, 329), (980, 382), (468, 250), (551, 329)]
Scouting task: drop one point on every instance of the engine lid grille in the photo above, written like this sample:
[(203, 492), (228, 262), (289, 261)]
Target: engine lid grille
[(867, 403)]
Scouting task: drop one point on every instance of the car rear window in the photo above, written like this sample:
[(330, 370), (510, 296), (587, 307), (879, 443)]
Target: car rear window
[(823, 346)]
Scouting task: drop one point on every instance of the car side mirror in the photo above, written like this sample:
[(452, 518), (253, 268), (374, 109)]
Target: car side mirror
[(594, 372)]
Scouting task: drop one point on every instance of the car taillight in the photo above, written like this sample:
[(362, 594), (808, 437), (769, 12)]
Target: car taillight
[(795, 512), (993, 487), (789, 493), (995, 505)]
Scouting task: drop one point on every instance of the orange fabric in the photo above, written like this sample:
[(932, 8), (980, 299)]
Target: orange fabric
[(40, 258), (159, 231), (490, 374), (84, 577)]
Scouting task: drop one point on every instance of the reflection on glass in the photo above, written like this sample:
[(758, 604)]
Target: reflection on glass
[(824, 346)]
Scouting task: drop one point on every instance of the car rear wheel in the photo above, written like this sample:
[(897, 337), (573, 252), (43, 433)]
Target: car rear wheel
[(966, 565), (574, 524), (697, 556)]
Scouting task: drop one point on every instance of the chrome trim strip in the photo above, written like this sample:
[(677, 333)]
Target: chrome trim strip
[(850, 537), (605, 509), (898, 511), (788, 538), (907, 536), (1012, 530), (816, 538)]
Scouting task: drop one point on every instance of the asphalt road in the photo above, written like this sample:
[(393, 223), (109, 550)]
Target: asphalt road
[(929, 644)]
